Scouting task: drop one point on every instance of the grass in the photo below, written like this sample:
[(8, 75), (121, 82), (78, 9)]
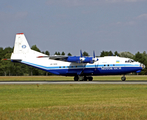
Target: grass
[(54, 78), (73, 102)]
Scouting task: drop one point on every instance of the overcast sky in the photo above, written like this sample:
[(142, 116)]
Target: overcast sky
[(71, 25)]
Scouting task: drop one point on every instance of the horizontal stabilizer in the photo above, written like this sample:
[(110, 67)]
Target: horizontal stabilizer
[(14, 60)]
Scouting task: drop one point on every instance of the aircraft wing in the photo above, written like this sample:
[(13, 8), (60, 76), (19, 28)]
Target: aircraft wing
[(58, 57), (74, 59), (55, 57)]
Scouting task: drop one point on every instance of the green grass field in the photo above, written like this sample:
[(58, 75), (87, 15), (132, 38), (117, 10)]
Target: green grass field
[(52, 78), (82, 102)]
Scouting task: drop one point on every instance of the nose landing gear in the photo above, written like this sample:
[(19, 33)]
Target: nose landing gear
[(123, 78)]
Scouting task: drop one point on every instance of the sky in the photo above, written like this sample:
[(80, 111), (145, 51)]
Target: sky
[(74, 25)]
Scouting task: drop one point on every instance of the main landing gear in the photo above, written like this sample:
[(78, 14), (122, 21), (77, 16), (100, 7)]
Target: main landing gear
[(123, 78), (90, 78), (83, 78)]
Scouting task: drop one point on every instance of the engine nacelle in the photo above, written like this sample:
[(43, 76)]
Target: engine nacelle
[(74, 59), (95, 59), (87, 60), (79, 59)]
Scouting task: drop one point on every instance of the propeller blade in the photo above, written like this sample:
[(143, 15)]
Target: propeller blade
[(93, 54), (81, 53)]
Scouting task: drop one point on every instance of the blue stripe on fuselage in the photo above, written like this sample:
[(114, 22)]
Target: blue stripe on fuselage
[(88, 69)]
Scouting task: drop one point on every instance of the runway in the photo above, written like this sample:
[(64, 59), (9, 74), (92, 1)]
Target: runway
[(131, 82)]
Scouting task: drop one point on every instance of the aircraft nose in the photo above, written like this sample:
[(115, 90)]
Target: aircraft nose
[(142, 65)]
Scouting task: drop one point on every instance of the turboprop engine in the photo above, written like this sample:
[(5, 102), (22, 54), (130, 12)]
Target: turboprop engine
[(82, 59), (79, 59)]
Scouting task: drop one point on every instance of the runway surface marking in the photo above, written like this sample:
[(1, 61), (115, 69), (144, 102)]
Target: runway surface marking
[(71, 82)]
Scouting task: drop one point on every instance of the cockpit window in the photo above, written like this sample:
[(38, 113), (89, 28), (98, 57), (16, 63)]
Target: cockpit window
[(129, 61)]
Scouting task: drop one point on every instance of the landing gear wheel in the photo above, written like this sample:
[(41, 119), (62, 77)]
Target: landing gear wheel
[(85, 78), (90, 78), (76, 78), (123, 78)]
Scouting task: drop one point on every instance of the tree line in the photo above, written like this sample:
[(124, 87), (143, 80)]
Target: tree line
[(8, 68)]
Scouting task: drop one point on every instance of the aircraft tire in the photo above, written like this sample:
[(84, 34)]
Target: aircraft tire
[(76, 78), (123, 78), (85, 78), (90, 78)]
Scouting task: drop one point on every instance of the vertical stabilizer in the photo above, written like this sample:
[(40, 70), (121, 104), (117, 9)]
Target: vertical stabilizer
[(21, 45), (22, 49)]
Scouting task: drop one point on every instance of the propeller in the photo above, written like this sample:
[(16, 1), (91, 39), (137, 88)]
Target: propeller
[(81, 53), (81, 56), (86, 59), (94, 59), (93, 54)]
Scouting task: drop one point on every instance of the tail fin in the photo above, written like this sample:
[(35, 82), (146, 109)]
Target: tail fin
[(22, 48), (21, 45)]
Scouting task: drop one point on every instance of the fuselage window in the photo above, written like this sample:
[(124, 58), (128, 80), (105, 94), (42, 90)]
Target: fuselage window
[(108, 65), (104, 65), (63, 66), (113, 64), (59, 66)]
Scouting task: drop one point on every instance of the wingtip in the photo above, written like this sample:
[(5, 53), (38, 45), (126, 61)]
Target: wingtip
[(40, 57)]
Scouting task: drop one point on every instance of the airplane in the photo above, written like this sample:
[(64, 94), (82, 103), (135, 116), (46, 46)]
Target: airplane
[(81, 67)]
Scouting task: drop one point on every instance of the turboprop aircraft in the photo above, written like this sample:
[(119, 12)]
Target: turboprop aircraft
[(81, 67)]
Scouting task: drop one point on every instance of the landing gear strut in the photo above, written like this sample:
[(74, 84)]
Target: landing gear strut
[(123, 78)]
